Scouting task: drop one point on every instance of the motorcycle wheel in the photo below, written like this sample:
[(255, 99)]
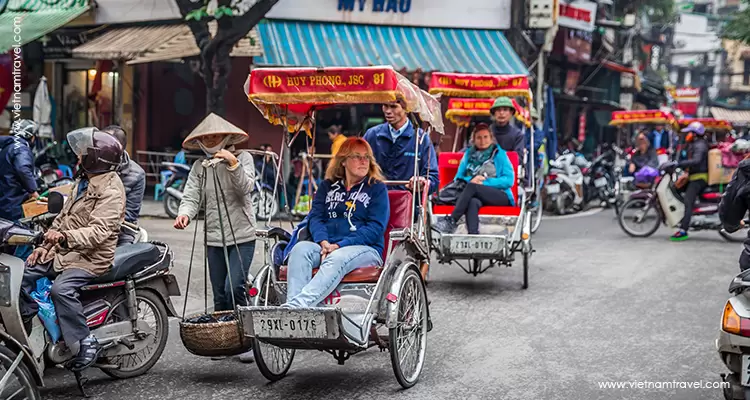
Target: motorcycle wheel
[(171, 203), (638, 204), (133, 365), (564, 199), (21, 381), (265, 205)]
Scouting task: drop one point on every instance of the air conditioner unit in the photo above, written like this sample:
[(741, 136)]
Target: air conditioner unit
[(541, 14)]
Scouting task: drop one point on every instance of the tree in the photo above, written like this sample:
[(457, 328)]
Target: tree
[(234, 21), (738, 27)]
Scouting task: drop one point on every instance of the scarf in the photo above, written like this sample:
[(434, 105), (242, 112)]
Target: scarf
[(477, 158)]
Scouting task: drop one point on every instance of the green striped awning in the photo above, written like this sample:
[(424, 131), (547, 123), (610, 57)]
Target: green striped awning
[(24, 21)]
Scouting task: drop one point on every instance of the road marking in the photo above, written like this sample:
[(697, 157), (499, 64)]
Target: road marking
[(576, 215)]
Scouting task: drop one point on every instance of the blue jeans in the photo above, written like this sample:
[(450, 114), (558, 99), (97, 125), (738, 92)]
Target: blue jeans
[(304, 290), (220, 280)]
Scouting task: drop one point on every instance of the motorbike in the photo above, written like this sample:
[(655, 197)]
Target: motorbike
[(665, 204), (127, 309), (565, 179), (172, 194), (601, 179), (733, 343)]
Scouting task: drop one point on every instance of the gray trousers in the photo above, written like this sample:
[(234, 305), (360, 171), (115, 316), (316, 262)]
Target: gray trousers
[(64, 293)]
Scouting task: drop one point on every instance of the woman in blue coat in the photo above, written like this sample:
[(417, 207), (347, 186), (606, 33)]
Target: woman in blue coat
[(489, 176)]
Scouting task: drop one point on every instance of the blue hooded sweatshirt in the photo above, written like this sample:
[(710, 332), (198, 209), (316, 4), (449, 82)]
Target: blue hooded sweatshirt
[(396, 158), (17, 180), (504, 174), (329, 218)]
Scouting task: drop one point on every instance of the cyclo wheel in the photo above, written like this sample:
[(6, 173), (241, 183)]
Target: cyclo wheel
[(407, 341), (21, 384), (273, 362)]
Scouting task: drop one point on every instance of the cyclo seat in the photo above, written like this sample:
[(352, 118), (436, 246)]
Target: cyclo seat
[(400, 202), (130, 259)]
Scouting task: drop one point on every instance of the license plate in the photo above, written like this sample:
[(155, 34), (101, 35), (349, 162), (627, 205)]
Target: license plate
[(476, 245), (290, 326), (600, 182), (553, 188), (745, 370)]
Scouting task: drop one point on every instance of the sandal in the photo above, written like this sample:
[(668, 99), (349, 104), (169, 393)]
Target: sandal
[(87, 355)]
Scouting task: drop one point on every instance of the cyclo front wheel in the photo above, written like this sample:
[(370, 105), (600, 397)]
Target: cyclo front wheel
[(21, 384), (407, 341), (273, 362)]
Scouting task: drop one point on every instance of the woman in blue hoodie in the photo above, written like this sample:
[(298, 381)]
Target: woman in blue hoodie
[(489, 176), (347, 224)]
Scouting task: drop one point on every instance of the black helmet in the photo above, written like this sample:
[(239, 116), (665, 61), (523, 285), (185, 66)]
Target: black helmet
[(24, 128), (100, 152)]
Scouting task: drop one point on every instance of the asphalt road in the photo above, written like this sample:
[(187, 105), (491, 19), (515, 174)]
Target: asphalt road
[(600, 307)]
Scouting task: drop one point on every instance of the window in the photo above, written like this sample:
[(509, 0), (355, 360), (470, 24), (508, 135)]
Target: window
[(680, 77), (746, 73)]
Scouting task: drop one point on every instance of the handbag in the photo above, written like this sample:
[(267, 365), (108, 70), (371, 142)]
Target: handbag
[(448, 195)]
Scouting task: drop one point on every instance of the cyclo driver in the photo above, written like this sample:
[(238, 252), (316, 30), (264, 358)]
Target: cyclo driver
[(81, 243)]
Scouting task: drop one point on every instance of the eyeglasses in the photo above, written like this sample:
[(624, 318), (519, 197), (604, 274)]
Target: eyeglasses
[(358, 157)]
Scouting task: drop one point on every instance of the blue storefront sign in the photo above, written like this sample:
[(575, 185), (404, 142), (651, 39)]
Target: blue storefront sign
[(394, 6)]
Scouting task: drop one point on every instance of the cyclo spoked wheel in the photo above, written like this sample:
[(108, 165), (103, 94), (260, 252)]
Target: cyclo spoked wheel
[(273, 362), (407, 341), (536, 212), (21, 384), (639, 212)]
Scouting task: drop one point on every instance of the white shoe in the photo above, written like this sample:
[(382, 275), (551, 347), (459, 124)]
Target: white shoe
[(247, 357)]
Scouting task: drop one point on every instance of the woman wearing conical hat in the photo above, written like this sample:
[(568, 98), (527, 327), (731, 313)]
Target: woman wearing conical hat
[(236, 176)]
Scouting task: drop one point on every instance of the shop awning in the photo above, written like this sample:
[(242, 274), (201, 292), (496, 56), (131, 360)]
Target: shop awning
[(314, 44), (24, 21), (156, 43), (739, 117)]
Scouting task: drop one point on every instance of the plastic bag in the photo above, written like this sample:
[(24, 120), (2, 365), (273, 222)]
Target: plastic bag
[(646, 175), (46, 309)]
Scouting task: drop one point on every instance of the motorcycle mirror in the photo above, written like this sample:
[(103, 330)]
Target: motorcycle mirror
[(55, 202)]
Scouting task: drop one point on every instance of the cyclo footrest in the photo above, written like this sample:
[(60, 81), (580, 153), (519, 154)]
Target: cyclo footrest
[(301, 328)]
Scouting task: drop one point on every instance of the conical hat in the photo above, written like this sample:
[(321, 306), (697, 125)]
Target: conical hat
[(214, 125)]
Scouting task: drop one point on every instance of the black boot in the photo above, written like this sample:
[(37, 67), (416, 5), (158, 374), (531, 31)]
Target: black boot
[(87, 355), (446, 225)]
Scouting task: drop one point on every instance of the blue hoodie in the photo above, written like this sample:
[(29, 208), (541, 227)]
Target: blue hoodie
[(396, 158), (328, 217), (17, 179), (504, 174)]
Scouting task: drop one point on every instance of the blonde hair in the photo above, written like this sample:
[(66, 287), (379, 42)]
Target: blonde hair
[(336, 170)]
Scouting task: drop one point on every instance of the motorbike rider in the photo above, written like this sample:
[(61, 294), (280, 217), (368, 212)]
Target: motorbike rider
[(81, 243), (17, 180), (133, 179), (735, 204), (507, 135), (696, 165)]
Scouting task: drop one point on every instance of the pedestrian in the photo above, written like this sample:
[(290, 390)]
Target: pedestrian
[(134, 180), (17, 181), (337, 138), (225, 185)]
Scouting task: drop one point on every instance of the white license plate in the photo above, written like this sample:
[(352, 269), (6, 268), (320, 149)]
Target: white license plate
[(553, 188), (290, 326), (476, 245), (600, 182), (745, 370)]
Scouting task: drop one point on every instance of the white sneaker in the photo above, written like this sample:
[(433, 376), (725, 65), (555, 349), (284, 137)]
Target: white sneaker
[(247, 357)]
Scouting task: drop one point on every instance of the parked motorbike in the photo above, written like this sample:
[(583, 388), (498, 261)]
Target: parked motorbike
[(173, 195), (601, 180), (563, 189), (127, 309), (733, 343), (649, 208)]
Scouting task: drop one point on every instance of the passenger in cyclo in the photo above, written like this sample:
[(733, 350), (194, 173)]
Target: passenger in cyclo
[(644, 163), (134, 180), (489, 176), (347, 224), (393, 145), (80, 245), (507, 135), (696, 166)]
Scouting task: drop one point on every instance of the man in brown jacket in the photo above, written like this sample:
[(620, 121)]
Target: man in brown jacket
[(81, 243)]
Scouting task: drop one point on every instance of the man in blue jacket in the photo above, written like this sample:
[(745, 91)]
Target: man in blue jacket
[(17, 181), (393, 144)]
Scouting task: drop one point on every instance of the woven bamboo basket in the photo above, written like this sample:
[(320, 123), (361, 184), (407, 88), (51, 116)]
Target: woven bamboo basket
[(216, 338)]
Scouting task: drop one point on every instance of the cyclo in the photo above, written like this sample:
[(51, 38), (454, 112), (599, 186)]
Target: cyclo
[(508, 228), (717, 127), (392, 297)]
